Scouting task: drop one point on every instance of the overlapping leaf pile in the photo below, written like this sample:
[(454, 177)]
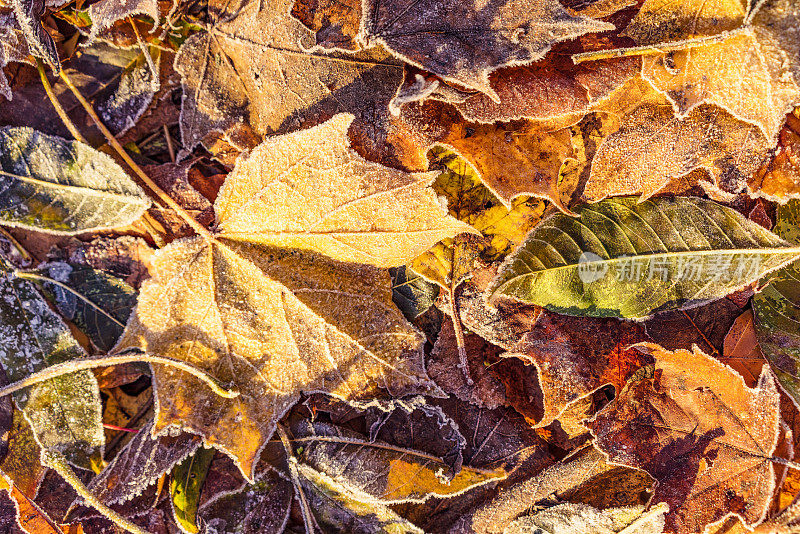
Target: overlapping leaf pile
[(400, 266)]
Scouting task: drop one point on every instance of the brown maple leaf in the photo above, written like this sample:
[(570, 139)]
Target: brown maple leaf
[(273, 321), (706, 437)]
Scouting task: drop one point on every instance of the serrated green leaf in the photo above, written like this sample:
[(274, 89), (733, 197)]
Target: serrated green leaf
[(64, 187), (620, 258), (776, 310), (65, 412), (185, 485), (97, 303)]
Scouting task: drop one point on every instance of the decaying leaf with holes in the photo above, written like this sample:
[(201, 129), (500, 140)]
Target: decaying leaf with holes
[(274, 304)]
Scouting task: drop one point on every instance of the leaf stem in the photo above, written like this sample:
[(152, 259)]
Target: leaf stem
[(160, 193), (56, 104), (788, 463), (84, 364), (648, 50), (463, 362), (59, 464), (308, 519)]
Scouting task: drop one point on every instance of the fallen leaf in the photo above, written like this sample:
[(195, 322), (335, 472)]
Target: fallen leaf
[(775, 310), (40, 43), (464, 42), (623, 258), (273, 322), (568, 518), (743, 74), (653, 149), (701, 433), (86, 191), (260, 66), (106, 12), (486, 390), (659, 21), (384, 472), (97, 303), (575, 356), (741, 351), (64, 412), (514, 159), (779, 179), (186, 483)]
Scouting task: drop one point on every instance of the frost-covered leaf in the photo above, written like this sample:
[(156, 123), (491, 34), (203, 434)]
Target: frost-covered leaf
[(776, 310), (390, 474), (273, 322), (701, 433), (39, 42), (576, 356), (137, 467), (12, 47), (257, 64), (465, 41), (660, 21), (106, 12), (653, 149), (49, 183), (553, 87), (263, 506), (64, 412), (339, 509), (515, 159), (319, 195), (624, 258), (569, 518), (97, 303), (746, 75)]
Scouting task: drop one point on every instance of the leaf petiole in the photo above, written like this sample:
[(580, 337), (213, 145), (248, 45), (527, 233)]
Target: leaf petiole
[(91, 363)]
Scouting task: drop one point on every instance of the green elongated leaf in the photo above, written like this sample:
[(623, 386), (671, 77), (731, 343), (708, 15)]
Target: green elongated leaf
[(185, 485), (621, 258), (64, 187), (97, 303), (776, 310), (64, 412)]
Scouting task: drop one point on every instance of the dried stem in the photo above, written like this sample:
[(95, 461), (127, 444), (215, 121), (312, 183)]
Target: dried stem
[(84, 364), (648, 50), (56, 104), (59, 465), (463, 362), (301, 496), (160, 193)]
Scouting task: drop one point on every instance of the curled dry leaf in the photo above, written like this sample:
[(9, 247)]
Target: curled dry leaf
[(659, 21), (465, 41), (701, 433), (40, 43), (741, 351), (274, 322)]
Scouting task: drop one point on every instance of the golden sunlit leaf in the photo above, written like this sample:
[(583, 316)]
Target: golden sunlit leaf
[(274, 322)]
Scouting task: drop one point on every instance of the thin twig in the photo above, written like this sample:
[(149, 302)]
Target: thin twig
[(84, 364), (463, 362), (59, 465), (199, 228), (170, 146), (649, 50), (56, 104), (301, 496)]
